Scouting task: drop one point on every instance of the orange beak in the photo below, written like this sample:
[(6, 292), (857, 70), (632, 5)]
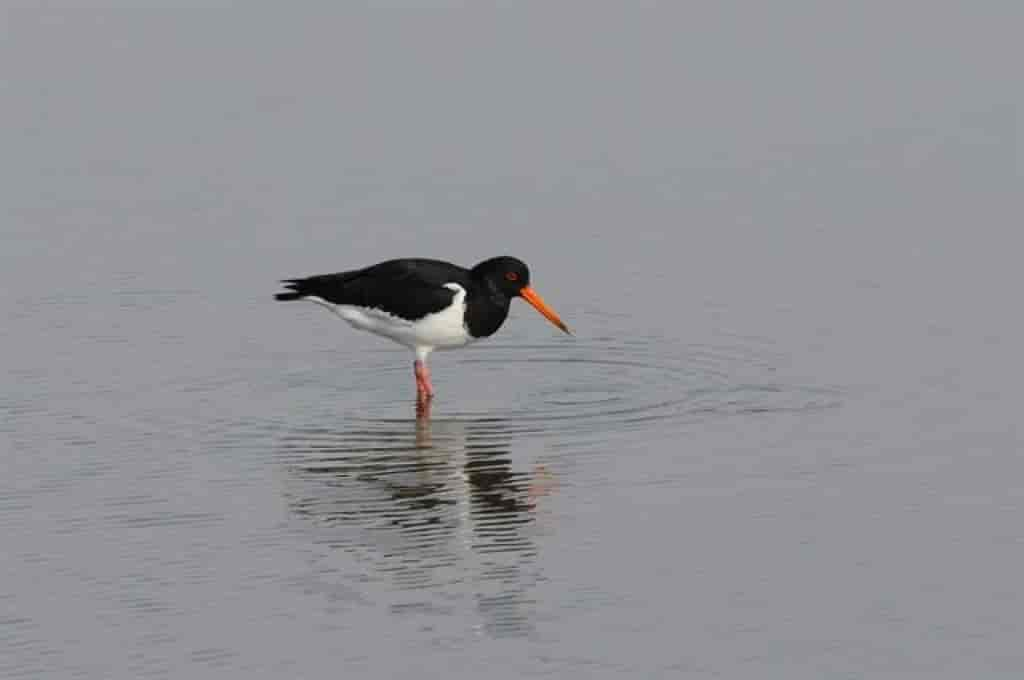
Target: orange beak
[(538, 303)]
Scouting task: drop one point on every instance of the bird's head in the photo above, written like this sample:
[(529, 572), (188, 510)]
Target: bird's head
[(511, 277)]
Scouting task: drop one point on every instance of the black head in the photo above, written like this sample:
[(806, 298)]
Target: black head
[(507, 274), (511, 277)]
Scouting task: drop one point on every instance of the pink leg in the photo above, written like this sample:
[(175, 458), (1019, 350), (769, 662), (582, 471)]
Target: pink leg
[(422, 408), (424, 390)]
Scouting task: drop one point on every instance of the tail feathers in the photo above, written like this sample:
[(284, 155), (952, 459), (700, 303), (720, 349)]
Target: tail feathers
[(295, 290), (330, 287)]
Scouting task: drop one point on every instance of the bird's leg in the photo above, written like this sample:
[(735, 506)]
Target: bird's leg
[(424, 390), (422, 409)]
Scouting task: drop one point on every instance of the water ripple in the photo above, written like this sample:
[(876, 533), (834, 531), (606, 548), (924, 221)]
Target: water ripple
[(566, 388), (613, 385)]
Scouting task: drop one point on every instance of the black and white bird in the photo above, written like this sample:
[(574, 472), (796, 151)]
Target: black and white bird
[(424, 304)]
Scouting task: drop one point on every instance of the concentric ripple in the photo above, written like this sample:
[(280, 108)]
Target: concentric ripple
[(607, 384), (570, 387)]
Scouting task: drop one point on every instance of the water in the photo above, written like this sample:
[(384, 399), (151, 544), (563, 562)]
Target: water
[(784, 441)]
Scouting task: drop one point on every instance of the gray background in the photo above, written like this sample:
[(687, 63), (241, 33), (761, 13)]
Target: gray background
[(785, 441)]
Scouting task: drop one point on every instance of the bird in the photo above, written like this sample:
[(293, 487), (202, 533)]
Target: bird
[(424, 304)]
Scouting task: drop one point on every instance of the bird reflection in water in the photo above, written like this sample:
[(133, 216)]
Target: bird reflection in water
[(436, 510)]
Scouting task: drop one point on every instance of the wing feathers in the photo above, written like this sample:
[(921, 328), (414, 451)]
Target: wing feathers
[(409, 289)]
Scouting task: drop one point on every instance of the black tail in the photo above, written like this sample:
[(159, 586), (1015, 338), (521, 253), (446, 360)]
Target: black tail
[(330, 287), (295, 292)]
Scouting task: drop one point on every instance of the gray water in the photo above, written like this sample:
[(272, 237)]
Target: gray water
[(784, 442)]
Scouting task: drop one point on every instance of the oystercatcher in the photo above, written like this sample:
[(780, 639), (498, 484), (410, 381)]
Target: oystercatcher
[(424, 304)]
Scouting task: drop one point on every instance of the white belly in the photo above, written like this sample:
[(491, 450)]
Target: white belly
[(445, 329)]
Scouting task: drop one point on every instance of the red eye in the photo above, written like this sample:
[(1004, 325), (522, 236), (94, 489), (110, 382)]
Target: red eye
[(511, 276)]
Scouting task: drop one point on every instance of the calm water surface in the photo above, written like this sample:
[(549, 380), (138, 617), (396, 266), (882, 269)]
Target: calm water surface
[(784, 441)]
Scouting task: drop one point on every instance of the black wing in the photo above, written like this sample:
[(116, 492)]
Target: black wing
[(408, 288)]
